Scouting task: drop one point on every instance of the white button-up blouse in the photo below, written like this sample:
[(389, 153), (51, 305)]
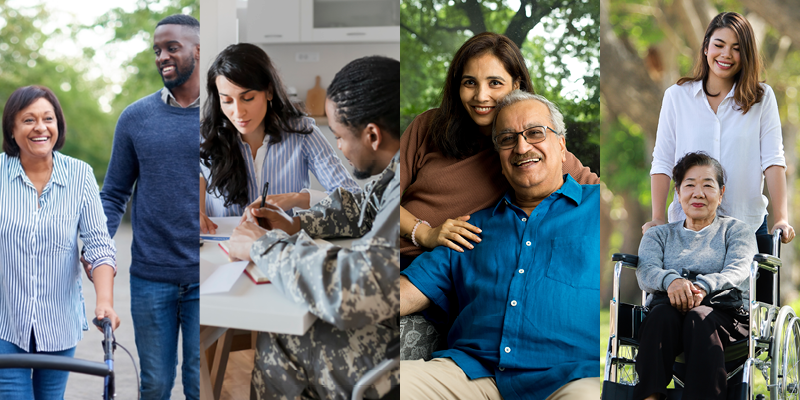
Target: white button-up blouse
[(745, 145)]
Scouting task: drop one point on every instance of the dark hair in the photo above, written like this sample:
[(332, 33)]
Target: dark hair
[(748, 91), (696, 159), (247, 66), (181, 19), (367, 90), (19, 100), (452, 129)]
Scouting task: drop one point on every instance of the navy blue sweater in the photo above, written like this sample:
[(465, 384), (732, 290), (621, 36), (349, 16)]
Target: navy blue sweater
[(156, 147)]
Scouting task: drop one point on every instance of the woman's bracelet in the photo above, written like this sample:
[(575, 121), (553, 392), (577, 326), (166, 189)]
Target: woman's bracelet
[(414, 231)]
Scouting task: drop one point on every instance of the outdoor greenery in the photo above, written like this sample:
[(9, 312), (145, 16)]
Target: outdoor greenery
[(432, 31), (646, 47), (90, 130)]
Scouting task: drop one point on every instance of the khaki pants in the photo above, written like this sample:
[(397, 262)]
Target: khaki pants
[(441, 378)]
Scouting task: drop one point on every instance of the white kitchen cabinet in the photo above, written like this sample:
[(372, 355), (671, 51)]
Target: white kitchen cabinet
[(273, 21), (349, 20)]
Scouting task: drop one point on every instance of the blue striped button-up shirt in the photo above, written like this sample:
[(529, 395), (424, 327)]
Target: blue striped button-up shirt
[(40, 272), (286, 168)]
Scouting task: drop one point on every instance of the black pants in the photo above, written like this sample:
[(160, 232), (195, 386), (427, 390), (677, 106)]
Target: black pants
[(701, 334)]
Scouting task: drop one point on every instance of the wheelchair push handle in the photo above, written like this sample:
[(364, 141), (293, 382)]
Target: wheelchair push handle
[(776, 242)]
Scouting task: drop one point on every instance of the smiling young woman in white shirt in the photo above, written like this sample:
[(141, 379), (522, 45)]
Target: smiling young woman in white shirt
[(725, 111)]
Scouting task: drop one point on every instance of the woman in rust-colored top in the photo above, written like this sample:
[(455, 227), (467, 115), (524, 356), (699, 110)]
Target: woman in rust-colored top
[(449, 168)]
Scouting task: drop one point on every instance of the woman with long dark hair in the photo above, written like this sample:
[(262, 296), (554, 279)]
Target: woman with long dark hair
[(450, 168), (251, 134), (723, 110)]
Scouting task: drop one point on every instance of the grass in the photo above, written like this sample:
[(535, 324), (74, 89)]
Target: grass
[(759, 381)]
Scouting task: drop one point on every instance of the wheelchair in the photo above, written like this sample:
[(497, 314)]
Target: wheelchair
[(773, 345)]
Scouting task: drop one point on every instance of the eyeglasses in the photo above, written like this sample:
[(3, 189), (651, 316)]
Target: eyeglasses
[(508, 140)]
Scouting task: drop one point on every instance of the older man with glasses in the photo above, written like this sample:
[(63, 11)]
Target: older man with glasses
[(524, 303)]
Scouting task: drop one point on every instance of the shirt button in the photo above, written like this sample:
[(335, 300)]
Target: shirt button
[(521, 271), (513, 303), (508, 349), (528, 243), (523, 220), (501, 368)]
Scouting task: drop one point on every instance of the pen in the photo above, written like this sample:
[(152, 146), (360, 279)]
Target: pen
[(264, 194), (261, 221)]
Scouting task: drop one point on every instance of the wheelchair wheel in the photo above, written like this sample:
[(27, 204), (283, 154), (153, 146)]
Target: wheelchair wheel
[(625, 367), (780, 332), (789, 373)]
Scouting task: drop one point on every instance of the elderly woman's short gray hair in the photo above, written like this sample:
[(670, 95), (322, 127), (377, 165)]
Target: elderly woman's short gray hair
[(556, 118)]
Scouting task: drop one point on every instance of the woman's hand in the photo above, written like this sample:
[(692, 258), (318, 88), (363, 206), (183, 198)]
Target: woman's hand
[(655, 222), (699, 294), (206, 225), (449, 233), (787, 233), (105, 310), (682, 293), (287, 201)]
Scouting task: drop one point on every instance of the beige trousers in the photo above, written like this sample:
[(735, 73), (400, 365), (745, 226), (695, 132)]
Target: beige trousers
[(441, 378)]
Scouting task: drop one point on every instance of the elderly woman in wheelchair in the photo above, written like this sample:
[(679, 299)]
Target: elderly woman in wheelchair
[(696, 273)]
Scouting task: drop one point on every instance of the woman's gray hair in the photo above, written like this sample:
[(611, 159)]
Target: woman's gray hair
[(556, 118)]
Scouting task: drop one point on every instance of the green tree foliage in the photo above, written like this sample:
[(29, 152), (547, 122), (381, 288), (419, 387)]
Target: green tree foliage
[(141, 23), (21, 64), (90, 130), (433, 30)]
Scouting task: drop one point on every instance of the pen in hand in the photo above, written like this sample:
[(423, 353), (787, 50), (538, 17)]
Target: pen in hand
[(263, 222)]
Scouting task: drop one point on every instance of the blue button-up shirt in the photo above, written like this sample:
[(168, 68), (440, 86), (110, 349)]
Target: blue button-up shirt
[(528, 295), (40, 275)]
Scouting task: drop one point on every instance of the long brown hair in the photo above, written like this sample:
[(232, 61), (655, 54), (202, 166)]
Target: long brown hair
[(748, 91), (452, 129)]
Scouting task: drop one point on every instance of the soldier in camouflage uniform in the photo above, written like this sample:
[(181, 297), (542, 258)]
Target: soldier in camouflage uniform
[(354, 292)]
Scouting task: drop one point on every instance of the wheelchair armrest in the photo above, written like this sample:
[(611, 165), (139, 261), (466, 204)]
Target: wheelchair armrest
[(768, 262), (628, 260)]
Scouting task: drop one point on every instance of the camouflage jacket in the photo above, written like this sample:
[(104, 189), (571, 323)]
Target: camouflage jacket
[(349, 288)]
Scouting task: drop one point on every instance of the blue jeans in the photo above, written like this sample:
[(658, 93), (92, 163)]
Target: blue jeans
[(42, 384), (159, 311)]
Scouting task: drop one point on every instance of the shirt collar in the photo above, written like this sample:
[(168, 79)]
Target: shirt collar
[(570, 189), (697, 89), (168, 98), (59, 175)]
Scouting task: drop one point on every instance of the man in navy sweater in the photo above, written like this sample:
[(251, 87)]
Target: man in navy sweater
[(154, 158)]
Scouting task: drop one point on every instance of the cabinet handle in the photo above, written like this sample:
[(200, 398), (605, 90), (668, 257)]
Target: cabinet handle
[(356, 33), (271, 36)]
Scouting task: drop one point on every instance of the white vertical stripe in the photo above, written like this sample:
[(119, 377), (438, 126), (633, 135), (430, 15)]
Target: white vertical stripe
[(39, 260), (286, 168)]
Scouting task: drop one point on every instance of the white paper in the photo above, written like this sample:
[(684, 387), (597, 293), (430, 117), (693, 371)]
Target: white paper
[(222, 280), (225, 226)]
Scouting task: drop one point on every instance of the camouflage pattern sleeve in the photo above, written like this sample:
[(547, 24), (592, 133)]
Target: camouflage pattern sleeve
[(345, 214), (348, 288), (338, 215)]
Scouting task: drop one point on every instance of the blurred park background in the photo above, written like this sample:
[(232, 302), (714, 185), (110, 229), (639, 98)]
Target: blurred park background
[(645, 47), (96, 55), (559, 40)]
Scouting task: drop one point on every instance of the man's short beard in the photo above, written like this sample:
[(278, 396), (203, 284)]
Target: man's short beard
[(181, 79), (364, 173)]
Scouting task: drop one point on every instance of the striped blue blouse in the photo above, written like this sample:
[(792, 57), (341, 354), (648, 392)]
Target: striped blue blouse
[(286, 168), (40, 271)]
